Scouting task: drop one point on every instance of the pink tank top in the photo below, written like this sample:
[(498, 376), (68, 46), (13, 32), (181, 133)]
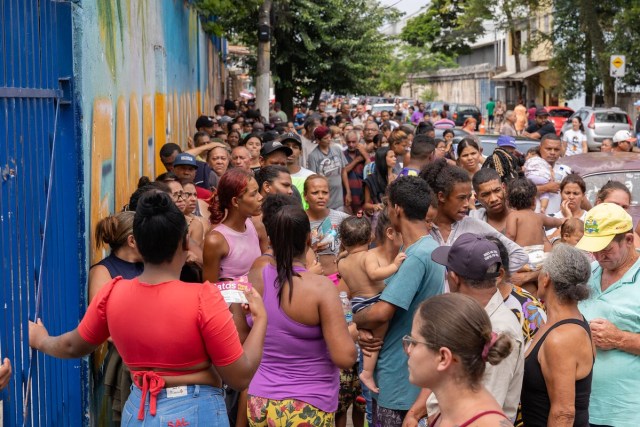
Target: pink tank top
[(244, 248)]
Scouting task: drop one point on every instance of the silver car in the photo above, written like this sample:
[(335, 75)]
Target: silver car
[(600, 123)]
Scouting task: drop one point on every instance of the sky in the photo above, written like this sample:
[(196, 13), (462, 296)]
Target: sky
[(407, 6)]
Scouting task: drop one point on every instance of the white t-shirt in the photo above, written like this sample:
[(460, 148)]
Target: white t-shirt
[(559, 172), (573, 139)]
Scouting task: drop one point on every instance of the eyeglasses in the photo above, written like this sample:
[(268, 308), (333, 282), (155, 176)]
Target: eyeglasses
[(408, 343), (178, 196)]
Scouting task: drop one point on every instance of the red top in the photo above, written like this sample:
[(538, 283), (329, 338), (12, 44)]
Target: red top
[(203, 193), (170, 325)]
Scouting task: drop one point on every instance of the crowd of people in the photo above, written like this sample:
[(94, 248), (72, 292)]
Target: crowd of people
[(480, 291)]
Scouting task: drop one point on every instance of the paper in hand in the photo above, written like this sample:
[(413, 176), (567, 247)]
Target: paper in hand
[(233, 291)]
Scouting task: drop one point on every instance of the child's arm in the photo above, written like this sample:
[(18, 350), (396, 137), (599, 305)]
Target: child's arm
[(375, 272), (551, 222), (512, 226)]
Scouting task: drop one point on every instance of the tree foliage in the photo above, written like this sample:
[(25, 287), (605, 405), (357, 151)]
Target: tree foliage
[(316, 44), (585, 35), (409, 61), (444, 28)]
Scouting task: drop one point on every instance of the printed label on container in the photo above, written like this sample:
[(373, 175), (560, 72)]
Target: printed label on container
[(233, 292)]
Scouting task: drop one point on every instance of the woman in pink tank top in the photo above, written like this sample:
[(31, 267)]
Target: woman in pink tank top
[(233, 243), (450, 343)]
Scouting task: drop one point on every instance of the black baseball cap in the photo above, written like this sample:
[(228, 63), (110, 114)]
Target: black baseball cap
[(470, 257), (205, 122), (290, 136), (273, 146), (540, 111)]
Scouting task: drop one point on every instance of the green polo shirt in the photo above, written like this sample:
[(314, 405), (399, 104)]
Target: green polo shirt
[(616, 374)]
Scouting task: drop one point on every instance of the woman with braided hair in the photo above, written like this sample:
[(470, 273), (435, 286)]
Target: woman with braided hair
[(503, 159)]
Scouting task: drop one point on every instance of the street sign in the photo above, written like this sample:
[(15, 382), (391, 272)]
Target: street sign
[(617, 66)]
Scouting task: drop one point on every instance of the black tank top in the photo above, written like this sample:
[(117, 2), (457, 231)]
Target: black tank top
[(535, 398), (119, 267)]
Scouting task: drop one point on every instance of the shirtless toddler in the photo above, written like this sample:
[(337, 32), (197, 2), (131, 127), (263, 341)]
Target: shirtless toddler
[(524, 226), (364, 270)]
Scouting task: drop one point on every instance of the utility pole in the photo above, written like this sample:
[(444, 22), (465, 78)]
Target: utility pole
[(264, 58)]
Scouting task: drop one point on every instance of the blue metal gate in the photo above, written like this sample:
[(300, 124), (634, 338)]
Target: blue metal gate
[(42, 250)]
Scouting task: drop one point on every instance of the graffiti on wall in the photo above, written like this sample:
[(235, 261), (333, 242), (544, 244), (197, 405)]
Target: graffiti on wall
[(148, 72)]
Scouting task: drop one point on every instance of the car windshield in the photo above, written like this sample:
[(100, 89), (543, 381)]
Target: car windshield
[(565, 114), (609, 117), (629, 178), (383, 107), (467, 109)]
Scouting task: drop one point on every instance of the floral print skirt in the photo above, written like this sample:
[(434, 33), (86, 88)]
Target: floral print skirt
[(263, 412)]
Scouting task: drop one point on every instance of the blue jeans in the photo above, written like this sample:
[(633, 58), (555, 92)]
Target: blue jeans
[(366, 393), (201, 406)]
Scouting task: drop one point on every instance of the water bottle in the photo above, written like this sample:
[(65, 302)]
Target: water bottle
[(346, 307)]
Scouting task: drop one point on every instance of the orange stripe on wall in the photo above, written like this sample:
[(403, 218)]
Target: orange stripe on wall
[(134, 143), (147, 136), (160, 128), (101, 153), (122, 154)]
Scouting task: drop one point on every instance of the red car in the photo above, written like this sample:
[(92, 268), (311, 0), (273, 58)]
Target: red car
[(559, 116)]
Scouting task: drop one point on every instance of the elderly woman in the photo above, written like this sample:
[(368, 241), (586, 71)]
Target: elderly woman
[(559, 363)]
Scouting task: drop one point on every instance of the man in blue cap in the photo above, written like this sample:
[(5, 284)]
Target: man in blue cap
[(185, 168)]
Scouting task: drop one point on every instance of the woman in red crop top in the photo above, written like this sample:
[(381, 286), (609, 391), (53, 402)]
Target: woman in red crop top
[(238, 236), (178, 339), (450, 342)]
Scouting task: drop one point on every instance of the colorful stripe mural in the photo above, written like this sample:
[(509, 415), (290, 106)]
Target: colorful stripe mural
[(113, 80)]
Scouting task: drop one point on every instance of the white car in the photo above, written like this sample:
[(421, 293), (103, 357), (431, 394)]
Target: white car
[(377, 108)]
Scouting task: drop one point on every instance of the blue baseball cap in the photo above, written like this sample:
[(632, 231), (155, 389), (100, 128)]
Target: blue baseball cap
[(506, 141), (185, 159)]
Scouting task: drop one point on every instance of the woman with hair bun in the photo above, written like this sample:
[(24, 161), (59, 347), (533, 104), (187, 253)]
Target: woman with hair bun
[(558, 366), (125, 261), (234, 243), (179, 340), (450, 343)]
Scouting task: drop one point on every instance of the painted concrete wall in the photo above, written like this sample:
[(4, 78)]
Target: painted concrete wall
[(142, 73), (144, 70)]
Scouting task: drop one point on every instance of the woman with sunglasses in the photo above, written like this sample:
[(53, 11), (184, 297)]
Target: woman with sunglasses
[(179, 340), (450, 343)]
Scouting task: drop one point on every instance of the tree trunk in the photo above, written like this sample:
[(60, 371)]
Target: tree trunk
[(284, 89), (589, 87), (264, 63), (589, 17), (316, 98), (515, 47)]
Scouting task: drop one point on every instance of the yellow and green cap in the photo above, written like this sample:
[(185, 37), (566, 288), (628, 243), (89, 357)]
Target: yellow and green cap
[(602, 224)]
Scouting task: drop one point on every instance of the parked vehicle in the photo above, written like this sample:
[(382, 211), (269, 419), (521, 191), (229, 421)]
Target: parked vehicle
[(600, 123), (377, 108), (490, 142), (461, 112), (599, 168), (559, 116)]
